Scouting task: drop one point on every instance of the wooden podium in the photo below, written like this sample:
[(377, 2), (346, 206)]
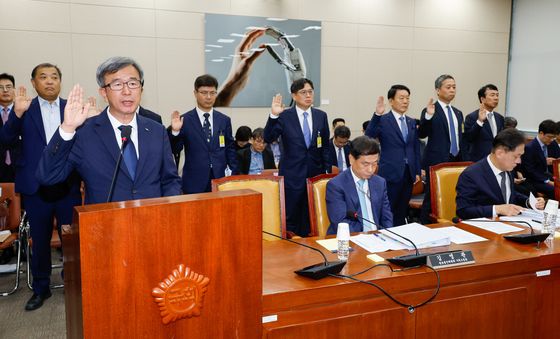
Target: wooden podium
[(180, 267)]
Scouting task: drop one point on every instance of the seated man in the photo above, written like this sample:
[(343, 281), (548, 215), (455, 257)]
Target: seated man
[(257, 157), (536, 159), (485, 189), (339, 148), (359, 189)]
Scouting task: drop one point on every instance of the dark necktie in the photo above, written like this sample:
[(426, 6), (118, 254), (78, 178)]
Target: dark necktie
[(5, 114), (207, 128), (503, 186), (454, 148), (339, 159), (545, 151), (129, 153)]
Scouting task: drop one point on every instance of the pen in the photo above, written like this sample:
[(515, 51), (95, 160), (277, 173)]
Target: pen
[(540, 222), (380, 237)]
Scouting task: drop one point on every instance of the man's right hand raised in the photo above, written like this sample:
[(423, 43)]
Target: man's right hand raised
[(75, 112), (277, 107), (176, 122), (431, 107), (380, 106), (21, 101)]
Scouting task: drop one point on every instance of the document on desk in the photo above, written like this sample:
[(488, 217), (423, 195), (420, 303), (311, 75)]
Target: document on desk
[(459, 236), (494, 227), (537, 226), (420, 235), (376, 243)]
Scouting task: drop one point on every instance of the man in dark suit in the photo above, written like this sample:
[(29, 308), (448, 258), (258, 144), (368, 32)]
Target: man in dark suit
[(34, 122), (482, 125), (149, 114), (485, 189), (8, 153), (304, 131), (554, 146), (359, 189), (147, 169), (207, 138), (442, 124), (339, 149), (536, 159), (400, 159), (257, 157)]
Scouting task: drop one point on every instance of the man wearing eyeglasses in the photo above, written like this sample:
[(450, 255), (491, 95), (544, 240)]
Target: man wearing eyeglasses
[(359, 189), (92, 146), (34, 122), (207, 138), (305, 136), (8, 153)]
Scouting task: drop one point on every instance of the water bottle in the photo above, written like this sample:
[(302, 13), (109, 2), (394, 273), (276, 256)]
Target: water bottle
[(343, 238), (549, 219)]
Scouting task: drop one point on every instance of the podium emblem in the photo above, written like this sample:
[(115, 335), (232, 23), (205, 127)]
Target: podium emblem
[(181, 294)]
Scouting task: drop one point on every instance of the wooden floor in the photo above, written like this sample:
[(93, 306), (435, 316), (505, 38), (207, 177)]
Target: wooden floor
[(48, 321)]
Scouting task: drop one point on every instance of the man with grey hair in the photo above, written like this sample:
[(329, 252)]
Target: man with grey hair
[(442, 124), (93, 146)]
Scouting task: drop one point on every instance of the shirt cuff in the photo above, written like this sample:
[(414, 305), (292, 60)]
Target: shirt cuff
[(546, 181), (175, 133), (479, 123), (494, 214), (428, 116), (65, 135), (272, 116)]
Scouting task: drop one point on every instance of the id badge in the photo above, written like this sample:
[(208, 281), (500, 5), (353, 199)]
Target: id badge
[(319, 140), (222, 140)]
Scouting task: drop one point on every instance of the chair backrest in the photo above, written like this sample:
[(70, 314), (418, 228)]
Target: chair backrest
[(14, 206), (316, 200), (556, 173), (272, 189), (443, 180)]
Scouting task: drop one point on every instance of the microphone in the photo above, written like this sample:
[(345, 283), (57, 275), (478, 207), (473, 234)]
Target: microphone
[(317, 271), (523, 238), (409, 260), (125, 137)]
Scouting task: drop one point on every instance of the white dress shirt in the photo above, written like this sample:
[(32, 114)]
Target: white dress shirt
[(50, 114), (210, 118), (444, 107), (498, 177), (365, 189)]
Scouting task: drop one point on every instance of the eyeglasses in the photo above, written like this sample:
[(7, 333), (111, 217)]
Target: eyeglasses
[(119, 85), (6, 88), (306, 92), (206, 93)]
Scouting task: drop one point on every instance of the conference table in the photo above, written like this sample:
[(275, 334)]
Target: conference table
[(511, 291)]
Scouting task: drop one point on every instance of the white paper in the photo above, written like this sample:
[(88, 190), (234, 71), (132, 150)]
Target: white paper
[(420, 235), (494, 227), (375, 244), (459, 236), (532, 201), (8, 268), (537, 226)]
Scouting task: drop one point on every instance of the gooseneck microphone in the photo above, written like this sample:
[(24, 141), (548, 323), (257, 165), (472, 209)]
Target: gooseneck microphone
[(317, 271), (125, 137), (523, 238), (409, 260)]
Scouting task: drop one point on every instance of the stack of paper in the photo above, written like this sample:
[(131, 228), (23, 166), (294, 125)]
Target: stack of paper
[(420, 235), (494, 227)]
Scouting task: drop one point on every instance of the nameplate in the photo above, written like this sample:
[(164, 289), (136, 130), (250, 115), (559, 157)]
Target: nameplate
[(450, 259)]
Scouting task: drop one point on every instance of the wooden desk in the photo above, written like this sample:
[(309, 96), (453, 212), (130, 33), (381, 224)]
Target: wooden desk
[(500, 296)]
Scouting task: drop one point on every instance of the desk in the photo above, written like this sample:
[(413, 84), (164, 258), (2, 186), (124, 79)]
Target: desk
[(500, 296)]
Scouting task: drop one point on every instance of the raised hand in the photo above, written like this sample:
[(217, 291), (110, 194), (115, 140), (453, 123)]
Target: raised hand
[(431, 107), (75, 112), (277, 106), (93, 110), (380, 106), (176, 121), (21, 101), (482, 113), (241, 65)]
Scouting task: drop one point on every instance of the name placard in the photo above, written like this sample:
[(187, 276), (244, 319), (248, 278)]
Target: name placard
[(450, 259)]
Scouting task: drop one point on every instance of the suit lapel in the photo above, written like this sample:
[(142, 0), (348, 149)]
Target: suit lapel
[(443, 119), (295, 122), (36, 117), (315, 121), (144, 149), (104, 130), (195, 124), (349, 182), (539, 150), (373, 201), (395, 126), (490, 179)]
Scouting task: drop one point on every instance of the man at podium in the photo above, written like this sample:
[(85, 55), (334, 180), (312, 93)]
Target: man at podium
[(93, 146)]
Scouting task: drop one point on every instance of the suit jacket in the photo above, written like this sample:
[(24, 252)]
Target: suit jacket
[(94, 151), (533, 163), (31, 130), (342, 196), (199, 154), (244, 159), (554, 150), (394, 148), (298, 162), (437, 131), (334, 156), (478, 190), (149, 114), (479, 139), (14, 147)]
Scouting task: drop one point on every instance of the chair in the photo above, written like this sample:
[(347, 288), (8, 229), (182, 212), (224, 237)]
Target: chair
[(443, 181), (14, 221), (556, 173), (272, 189), (316, 200)]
